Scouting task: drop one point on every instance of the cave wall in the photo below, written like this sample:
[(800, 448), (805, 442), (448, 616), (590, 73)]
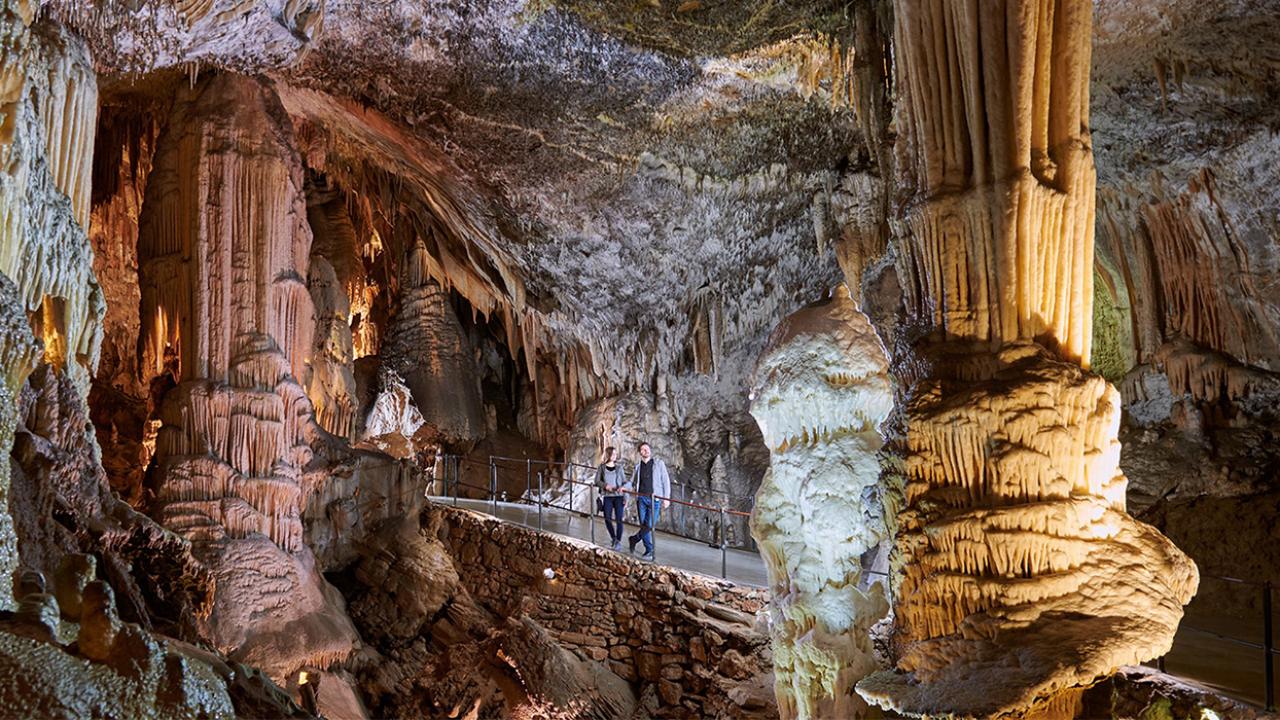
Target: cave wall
[(694, 641)]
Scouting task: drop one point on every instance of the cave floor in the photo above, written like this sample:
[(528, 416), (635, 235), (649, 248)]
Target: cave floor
[(743, 567)]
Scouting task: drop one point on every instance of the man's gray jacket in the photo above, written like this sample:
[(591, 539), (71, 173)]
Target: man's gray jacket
[(661, 480)]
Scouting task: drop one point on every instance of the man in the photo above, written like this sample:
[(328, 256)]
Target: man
[(653, 485)]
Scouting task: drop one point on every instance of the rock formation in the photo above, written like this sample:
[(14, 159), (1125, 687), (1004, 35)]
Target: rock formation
[(1013, 541), (822, 390), (432, 356), (263, 263), (224, 250)]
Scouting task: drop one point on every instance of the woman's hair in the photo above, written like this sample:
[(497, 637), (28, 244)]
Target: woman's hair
[(608, 452)]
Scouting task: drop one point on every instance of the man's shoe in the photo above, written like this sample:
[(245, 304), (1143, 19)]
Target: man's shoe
[(617, 545), (632, 542), (647, 556)]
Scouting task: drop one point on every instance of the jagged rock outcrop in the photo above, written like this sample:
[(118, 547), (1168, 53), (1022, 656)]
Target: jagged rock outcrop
[(52, 307), (68, 654), (821, 516), (1012, 541), (224, 249)]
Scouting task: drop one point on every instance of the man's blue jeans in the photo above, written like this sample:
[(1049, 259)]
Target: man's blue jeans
[(649, 509)]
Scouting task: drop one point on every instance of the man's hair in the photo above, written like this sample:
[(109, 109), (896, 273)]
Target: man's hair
[(644, 444), (608, 452)]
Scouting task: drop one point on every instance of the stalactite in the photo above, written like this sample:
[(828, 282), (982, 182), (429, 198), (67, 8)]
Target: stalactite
[(1001, 243), (819, 510)]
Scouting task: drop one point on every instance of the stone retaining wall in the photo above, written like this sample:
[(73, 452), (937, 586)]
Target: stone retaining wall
[(698, 644)]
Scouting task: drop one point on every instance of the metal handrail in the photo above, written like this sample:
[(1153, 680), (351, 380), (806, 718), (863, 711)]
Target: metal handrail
[(452, 464), (1267, 646), (626, 465)]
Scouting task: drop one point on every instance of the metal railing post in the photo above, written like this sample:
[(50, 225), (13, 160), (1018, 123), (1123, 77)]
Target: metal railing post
[(591, 506), (724, 547), (1268, 648), (540, 503), (493, 486), (457, 478), (572, 493), (684, 511), (654, 508)]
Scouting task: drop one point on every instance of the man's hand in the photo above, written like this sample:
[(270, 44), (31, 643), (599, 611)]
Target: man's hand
[(666, 504)]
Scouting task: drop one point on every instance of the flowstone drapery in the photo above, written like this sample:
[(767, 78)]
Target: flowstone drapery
[(821, 390)]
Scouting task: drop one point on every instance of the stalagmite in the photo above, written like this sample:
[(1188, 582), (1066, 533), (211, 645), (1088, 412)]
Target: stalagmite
[(427, 348), (224, 247), (1020, 580), (335, 278), (819, 510)]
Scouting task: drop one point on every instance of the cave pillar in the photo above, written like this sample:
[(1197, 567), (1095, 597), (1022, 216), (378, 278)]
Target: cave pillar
[(224, 249), (335, 275), (821, 391), (1020, 578)]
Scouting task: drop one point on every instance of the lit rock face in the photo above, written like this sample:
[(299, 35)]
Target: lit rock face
[(822, 389), (331, 382), (48, 98), (151, 34), (1015, 543), (1020, 579), (336, 278), (1184, 117), (224, 246)]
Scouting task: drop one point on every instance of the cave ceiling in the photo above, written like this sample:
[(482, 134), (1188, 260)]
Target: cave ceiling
[(621, 163)]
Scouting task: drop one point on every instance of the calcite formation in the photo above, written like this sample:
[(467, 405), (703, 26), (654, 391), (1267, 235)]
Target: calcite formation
[(52, 306), (1013, 542), (822, 389), (432, 356), (224, 248)]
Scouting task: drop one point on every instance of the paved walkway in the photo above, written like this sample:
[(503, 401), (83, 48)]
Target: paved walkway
[(743, 567)]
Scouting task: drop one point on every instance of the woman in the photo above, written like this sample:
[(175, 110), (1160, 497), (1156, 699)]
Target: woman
[(612, 481)]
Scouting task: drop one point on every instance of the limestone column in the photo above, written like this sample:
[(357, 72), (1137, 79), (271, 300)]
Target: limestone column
[(425, 345), (224, 249), (1020, 578)]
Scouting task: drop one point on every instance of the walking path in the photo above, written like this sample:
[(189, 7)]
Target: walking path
[(742, 567)]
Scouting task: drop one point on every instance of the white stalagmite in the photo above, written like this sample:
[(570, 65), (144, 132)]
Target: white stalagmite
[(821, 391)]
